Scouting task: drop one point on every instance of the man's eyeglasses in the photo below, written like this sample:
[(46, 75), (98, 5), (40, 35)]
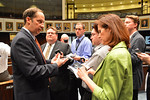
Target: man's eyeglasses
[(78, 29), (51, 33)]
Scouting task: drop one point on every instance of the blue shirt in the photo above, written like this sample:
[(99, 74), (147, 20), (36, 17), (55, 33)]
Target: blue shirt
[(84, 49)]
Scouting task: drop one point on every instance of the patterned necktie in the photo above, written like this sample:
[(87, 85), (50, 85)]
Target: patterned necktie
[(40, 49), (47, 52)]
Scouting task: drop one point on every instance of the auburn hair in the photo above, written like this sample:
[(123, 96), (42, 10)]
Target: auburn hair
[(118, 30)]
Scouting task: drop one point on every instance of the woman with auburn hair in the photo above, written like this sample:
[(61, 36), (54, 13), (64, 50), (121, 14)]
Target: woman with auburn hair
[(113, 78)]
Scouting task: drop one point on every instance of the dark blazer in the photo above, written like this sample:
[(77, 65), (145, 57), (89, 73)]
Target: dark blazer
[(60, 81), (29, 69), (137, 41)]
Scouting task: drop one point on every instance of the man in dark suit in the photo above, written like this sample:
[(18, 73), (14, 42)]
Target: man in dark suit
[(137, 42), (30, 69), (59, 84)]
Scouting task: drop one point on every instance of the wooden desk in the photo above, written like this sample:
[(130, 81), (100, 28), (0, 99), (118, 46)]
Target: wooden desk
[(6, 90)]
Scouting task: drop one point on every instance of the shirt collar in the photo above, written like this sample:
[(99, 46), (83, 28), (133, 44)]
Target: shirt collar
[(29, 32), (132, 34), (50, 44), (80, 38), (98, 47), (120, 45)]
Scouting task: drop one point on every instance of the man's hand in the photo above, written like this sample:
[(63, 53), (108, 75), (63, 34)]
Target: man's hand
[(76, 58), (144, 57), (60, 61)]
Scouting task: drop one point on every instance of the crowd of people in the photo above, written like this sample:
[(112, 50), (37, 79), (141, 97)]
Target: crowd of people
[(110, 68)]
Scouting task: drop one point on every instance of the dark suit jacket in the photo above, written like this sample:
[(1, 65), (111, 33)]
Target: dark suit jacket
[(60, 81), (137, 41), (29, 69)]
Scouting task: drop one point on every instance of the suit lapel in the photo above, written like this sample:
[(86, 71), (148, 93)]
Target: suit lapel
[(99, 67), (30, 37), (33, 41), (43, 47), (133, 36), (56, 46)]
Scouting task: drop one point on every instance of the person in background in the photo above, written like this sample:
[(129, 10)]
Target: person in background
[(59, 84), (81, 47), (4, 53), (146, 58), (64, 38), (31, 71), (100, 52), (112, 79), (137, 42)]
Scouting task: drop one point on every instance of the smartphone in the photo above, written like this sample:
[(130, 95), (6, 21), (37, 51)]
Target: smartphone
[(77, 65), (137, 50), (57, 51), (72, 55)]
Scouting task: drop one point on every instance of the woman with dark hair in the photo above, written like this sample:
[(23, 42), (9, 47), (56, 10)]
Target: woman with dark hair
[(112, 80)]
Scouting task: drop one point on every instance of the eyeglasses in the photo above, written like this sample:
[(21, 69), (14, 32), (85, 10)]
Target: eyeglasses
[(78, 29), (51, 33)]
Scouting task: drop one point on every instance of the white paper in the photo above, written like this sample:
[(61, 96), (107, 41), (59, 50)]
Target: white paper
[(74, 70)]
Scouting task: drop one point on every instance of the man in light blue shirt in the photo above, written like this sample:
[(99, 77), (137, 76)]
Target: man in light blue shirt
[(82, 47)]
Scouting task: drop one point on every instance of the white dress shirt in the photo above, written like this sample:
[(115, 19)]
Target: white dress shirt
[(4, 53), (52, 46)]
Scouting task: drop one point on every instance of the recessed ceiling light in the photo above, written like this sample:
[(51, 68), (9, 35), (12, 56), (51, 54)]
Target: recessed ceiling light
[(83, 5), (102, 4), (131, 1), (92, 5), (120, 2), (111, 3)]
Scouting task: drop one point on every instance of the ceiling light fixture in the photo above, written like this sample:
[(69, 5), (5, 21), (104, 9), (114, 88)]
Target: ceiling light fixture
[(33, 6), (1, 5)]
